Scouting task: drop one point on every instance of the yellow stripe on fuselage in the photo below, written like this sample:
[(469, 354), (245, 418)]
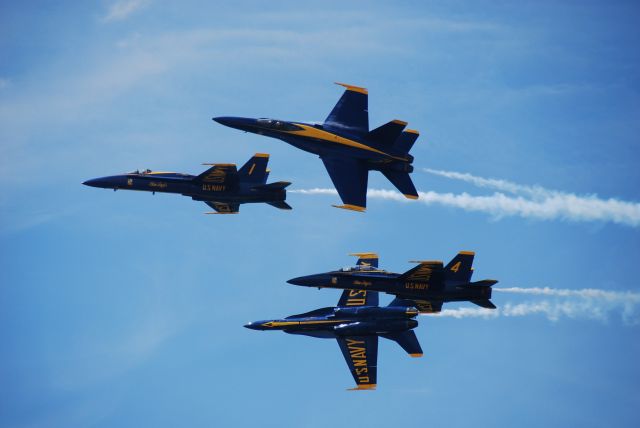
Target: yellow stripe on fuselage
[(319, 134), (286, 323)]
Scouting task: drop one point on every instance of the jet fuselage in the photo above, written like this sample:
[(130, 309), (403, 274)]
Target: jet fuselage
[(344, 321), (184, 184), (324, 142), (393, 283)]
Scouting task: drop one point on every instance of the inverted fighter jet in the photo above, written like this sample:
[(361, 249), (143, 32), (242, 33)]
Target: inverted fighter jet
[(426, 286), (222, 186), (355, 323), (346, 146)]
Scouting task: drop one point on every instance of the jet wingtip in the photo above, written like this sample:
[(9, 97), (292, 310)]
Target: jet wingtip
[(351, 207), (353, 88), (409, 196), (364, 387), (213, 212), (416, 355)]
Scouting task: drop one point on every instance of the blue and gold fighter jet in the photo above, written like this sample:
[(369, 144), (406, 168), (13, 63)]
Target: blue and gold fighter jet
[(355, 323), (222, 186), (346, 146), (426, 286)]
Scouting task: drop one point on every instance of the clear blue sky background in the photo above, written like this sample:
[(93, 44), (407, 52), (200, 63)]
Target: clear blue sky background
[(126, 309)]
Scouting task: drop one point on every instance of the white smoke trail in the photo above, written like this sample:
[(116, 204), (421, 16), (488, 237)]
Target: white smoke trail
[(546, 203), (589, 303), (554, 205), (492, 183)]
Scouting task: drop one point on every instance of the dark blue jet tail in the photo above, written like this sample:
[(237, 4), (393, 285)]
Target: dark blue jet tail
[(460, 268), (405, 141), (351, 113), (403, 183), (255, 170), (387, 134)]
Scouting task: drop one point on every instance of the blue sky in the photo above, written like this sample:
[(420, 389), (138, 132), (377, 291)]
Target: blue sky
[(126, 309)]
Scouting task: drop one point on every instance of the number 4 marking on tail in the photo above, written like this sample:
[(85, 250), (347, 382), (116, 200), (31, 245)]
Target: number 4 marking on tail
[(455, 267)]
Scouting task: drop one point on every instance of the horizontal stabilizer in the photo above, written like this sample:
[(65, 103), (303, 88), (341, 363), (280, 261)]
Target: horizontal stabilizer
[(281, 205), (387, 134), (405, 141), (484, 282), (485, 303), (407, 340), (403, 183), (272, 187)]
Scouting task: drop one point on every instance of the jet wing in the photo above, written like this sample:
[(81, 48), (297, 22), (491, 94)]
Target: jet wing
[(223, 207), (428, 306), (350, 177), (351, 113), (361, 354), (358, 298), (219, 174)]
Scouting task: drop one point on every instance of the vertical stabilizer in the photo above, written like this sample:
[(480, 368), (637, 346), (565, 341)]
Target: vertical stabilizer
[(255, 170)]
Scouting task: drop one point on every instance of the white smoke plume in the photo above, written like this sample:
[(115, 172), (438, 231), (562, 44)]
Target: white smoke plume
[(547, 204), (589, 303), (541, 203)]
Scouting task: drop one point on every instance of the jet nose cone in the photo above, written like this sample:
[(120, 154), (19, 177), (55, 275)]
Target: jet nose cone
[(95, 182), (223, 120), (242, 123), (301, 280), (256, 325), (321, 280)]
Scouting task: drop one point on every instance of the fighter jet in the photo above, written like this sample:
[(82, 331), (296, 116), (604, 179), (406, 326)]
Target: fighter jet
[(346, 146), (426, 286), (222, 186), (355, 323)]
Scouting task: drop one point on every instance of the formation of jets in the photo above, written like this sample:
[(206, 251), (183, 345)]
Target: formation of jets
[(349, 150)]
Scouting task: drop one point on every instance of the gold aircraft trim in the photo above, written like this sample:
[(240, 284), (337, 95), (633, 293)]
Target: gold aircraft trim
[(412, 131), (351, 207), (415, 355), (312, 132), (353, 88), (411, 196), (365, 255), (261, 155), (467, 253), (364, 387), (400, 122)]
